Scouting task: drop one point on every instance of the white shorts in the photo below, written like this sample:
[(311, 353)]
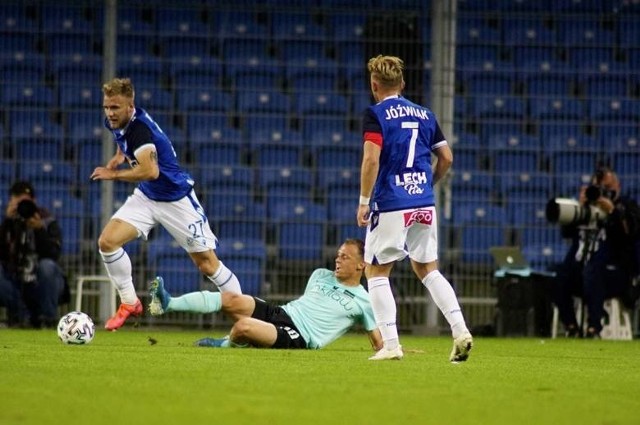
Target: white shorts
[(391, 236), (184, 219)]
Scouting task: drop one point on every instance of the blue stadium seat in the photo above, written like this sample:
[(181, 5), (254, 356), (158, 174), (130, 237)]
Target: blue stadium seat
[(489, 84), (473, 186), (473, 212), (49, 173), (476, 241), (212, 128), (614, 109), (302, 51), (626, 163), (203, 100), (527, 187), (7, 170), (20, 44), (28, 95), (296, 26), (315, 123), (345, 231), (258, 78), (273, 136), (24, 73), (606, 86), (580, 32), (567, 184), (79, 96), (528, 32), (71, 20), (181, 22), (220, 208), (628, 32), (549, 84), (272, 124), (133, 20), (556, 107), (528, 212), (313, 83), (72, 235), (563, 162), (174, 265), (469, 55), (265, 100), (220, 153), (338, 156), (69, 45), (14, 20), (546, 234), (330, 137), (572, 143), (246, 257), (577, 6), (548, 129), (477, 31), (544, 256), (347, 27), (237, 24), (321, 104), (35, 135), (329, 178), (154, 99), (185, 48), (278, 155), (227, 178), (498, 106), (286, 178), (240, 50), (136, 44)]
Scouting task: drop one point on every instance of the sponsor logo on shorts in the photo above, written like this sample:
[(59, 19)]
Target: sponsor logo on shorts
[(418, 216)]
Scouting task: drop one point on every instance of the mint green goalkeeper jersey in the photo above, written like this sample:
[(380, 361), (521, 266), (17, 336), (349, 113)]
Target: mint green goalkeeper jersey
[(327, 309)]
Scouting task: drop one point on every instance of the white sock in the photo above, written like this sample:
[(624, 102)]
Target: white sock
[(225, 280), (384, 310), (118, 265), (445, 298)]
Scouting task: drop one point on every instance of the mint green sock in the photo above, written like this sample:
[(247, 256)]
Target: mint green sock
[(196, 302)]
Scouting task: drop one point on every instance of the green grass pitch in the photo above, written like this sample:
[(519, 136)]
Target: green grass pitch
[(122, 377)]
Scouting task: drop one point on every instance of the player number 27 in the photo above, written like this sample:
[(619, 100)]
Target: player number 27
[(413, 126)]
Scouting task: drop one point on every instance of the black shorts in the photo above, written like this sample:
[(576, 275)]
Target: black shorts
[(288, 334)]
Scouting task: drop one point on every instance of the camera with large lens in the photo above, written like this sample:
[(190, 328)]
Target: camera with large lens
[(565, 211)]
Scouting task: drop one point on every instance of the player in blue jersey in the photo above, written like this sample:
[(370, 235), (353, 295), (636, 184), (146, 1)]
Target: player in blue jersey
[(397, 203), (164, 196), (332, 303)]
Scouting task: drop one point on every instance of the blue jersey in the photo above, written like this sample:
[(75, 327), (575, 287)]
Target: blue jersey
[(173, 183), (327, 309), (407, 133)]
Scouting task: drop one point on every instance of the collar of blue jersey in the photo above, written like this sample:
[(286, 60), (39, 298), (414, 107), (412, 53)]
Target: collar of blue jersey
[(393, 96)]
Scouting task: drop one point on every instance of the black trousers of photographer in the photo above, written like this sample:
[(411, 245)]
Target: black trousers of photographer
[(595, 281)]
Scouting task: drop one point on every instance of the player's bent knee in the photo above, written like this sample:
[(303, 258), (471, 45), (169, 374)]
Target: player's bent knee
[(241, 329)]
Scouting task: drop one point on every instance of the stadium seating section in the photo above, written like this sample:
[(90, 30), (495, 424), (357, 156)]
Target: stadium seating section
[(263, 100)]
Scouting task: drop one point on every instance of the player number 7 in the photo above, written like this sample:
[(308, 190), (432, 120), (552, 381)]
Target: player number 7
[(412, 143)]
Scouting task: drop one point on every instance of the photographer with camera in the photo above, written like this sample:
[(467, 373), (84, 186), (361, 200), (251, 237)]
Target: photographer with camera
[(604, 227), (31, 282)]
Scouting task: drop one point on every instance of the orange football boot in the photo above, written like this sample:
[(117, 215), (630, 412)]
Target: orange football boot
[(123, 313)]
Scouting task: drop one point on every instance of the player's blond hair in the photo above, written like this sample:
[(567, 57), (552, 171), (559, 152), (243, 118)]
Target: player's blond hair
[(119, 86), (387, 70)]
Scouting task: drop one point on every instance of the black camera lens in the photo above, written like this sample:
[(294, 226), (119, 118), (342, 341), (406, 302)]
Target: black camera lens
[(593, 192), (27, 209)]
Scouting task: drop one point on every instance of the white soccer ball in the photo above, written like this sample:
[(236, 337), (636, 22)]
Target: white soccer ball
[(76, 328)]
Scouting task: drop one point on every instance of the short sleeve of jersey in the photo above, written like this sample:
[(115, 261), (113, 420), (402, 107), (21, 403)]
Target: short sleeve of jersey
[(138, 134), (438, 137), (370, 122)]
